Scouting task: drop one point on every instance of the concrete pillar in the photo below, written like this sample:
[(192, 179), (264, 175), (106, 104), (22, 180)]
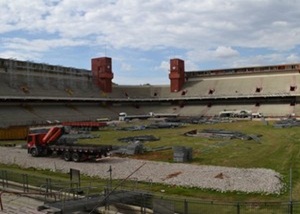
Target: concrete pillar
[(102, 73), (177, 74)]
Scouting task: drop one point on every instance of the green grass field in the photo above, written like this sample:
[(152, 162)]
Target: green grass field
[(279, 150)]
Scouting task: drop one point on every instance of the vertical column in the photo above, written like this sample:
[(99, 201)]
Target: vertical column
[(102, 73), (177, 74), (13, 81)]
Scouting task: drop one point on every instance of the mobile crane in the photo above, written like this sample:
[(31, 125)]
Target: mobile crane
[(47, 143)]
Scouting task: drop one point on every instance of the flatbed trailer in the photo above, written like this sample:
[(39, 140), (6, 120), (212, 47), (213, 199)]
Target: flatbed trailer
[(80, 152), (74, 152)]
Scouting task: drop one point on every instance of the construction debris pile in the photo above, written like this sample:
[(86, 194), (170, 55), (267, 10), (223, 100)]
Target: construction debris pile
[(170, 123), (134, 144), (164, 125), (159, 125), (132, 128), (286, 123), (68, 139), (130, 149), (140, 138), (199, 120), (222, 134)]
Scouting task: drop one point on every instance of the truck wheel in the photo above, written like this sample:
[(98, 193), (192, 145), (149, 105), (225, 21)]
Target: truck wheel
[(67, 156), (76, 157), (34, 152), (45, 152)]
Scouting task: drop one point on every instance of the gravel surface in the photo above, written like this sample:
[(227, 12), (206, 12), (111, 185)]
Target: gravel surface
[(222, 179)]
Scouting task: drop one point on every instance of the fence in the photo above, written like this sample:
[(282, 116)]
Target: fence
[(189, 206), (129, 199)]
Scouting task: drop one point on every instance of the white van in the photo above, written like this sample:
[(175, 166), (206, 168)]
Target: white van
[(122, 116), (256, 115)]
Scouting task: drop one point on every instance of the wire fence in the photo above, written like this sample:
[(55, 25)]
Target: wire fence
[(129, 198)]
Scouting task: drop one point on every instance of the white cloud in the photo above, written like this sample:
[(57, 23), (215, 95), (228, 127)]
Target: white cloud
[(126, 67), (198, 55), (140, 80), (21, 14), (15, 54), (226, 52), (39, 45), (267, 59), (207, 30), (134, 23), (145, 25), (280, 24), (190, 65), (293, 58), (164, 66)]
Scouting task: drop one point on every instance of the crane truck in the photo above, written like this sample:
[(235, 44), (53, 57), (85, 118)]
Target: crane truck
[(47, 143)]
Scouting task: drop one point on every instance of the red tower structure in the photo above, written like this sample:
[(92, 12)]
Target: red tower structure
[(102, 73), (177, 74)]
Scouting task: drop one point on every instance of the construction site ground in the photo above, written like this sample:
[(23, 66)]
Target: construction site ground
[(16, 204)]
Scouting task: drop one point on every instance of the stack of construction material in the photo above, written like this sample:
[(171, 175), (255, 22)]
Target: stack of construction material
[(140, 138), (134, 148), (286, 123), (222, 134), (130, 149), (182, 154)]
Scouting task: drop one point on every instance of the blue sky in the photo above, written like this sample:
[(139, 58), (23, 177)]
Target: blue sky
[(142, 36)]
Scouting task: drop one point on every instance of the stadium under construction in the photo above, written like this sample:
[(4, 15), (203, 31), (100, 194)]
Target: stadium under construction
[(37, 93)]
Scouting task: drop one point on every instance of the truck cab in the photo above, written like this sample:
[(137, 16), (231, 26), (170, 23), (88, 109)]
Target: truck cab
[(37, 143)]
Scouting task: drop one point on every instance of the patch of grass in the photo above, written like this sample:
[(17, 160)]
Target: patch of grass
[(279, 149)]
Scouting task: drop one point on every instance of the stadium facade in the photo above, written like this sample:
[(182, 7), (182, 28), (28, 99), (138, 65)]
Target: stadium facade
[(37, 93)]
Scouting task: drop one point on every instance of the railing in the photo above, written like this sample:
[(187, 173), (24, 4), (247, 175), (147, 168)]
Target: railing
[(194, 97), (129, 197)]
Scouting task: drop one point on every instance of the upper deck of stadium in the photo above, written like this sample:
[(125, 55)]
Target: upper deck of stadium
[(36, 93), (38, 81)]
